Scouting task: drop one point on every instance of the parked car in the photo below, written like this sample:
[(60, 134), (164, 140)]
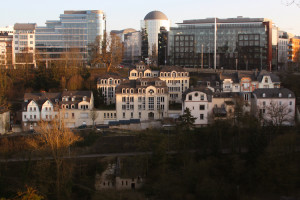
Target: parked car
[(82, 126)]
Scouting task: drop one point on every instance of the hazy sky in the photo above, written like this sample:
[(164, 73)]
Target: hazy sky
[(128, 13)]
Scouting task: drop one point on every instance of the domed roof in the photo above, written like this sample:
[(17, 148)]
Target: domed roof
[(156, 15)]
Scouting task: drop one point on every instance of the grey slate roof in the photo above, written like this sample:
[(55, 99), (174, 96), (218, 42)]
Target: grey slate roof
[(273, 93), (263, 73), (40, 98), (207, 91)]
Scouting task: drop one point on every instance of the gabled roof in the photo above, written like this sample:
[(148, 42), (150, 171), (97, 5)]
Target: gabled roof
[(40, 98), (263, 73), (207, 91), (273, 93)]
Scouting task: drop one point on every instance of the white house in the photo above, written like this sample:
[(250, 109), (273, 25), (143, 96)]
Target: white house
[(199, 102), (274, 106), (37, 106), (268, 80)]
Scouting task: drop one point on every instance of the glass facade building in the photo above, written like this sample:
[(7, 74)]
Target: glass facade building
[(73, 32), (241, 43)]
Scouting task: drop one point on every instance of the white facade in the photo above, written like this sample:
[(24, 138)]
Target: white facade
[(200, 105), (275, 106), (146, 101), (24, 44), (108, 85), (178, 81)]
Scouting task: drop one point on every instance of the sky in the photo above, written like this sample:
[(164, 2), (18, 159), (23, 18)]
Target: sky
[(123, 14)]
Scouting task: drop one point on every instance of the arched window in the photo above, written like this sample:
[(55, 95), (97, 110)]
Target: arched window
[(72, 106), (139, 90), (174, 74), (127, 91), (158, 90), (131, 91), (123, 90), (67, 106), (144, 91), (165, 74), (161, 74), (162, 90)]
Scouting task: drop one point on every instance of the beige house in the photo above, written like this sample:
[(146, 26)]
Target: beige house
[(177, 80), (107, 85), (143, 99)]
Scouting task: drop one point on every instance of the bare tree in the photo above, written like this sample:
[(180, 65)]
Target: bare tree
[(55, 139), (291, 2), (108, 53), (94, 115), (277, 114)]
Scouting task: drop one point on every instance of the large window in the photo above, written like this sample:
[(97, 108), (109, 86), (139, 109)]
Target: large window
[(151, 103)]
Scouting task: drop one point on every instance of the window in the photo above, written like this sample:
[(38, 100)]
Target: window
[(151, 103), (140, 115), (123, 107), (123, 99), (266, 80), (46, 116), (73, 115), (202, 107), (131, 99), (291, 103), (34, 108), (201, 116), (66, 115), (264, 103), (24, 116), (104, 115), (123, 115), (202, 97), (190, 97), (131, 114)]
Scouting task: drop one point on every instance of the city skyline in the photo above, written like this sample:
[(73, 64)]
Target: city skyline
[(121, 14)]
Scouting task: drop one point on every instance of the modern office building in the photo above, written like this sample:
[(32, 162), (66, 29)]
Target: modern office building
[(241, 43), (132, 47), (151, 24), (24, 45), (74, 32)]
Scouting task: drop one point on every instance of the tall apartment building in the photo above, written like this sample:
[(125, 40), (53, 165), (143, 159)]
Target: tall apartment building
[(241, 43), (132, 47), (24, 45), (6, 39), (293, 51), (152, 23), (73, 33)]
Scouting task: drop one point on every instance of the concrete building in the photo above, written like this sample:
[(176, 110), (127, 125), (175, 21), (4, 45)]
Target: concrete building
[(6, 50), (71, 34), (199, 102), (274, 106), (241, 43), (142, 99), (24, 45), (107, 84), (177, 81), (294, 51), (283, 41), (152, 23)]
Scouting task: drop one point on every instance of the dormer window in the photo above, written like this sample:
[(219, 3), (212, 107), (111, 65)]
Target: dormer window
[(266, 80), (84, 98), (290, 95), (280, 95), (72, 106), (208, 83), (217, 83), (264, 95), (123, 90), (131, 91), (73, 98)]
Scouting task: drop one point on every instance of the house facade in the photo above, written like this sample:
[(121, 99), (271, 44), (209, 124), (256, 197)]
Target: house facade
[(143, 99), (274, 106)]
